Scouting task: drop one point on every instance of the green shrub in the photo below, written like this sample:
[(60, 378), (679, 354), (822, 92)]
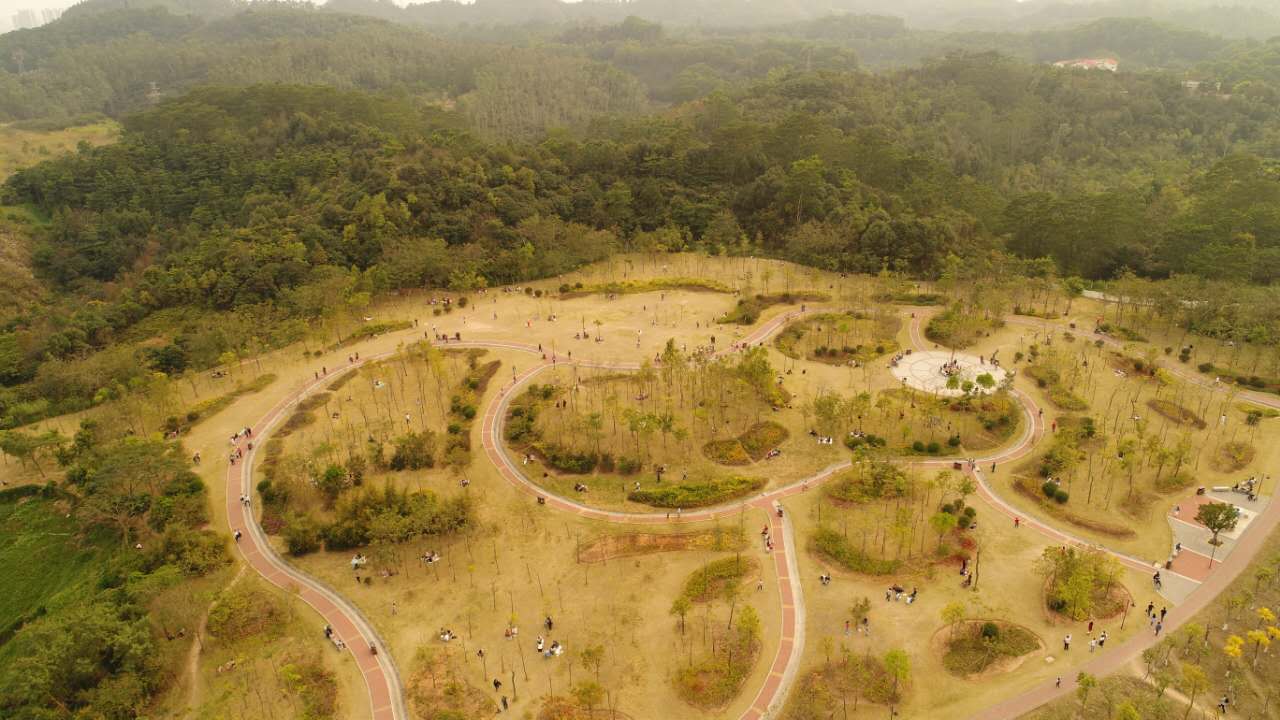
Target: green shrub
[(243, 612), (414, 451), (691, 495), (568, 461), (629, 466), (834, 546), (726, 452), (976, 647), (302, 535), (372, 330), (853, 442), (872, 480), (762, 437), (709, 582)]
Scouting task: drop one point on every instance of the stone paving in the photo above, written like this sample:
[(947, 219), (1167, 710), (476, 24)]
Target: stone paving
[(923, 371)]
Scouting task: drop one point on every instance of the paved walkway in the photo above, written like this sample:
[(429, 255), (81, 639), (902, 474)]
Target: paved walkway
[(923, 371), (381, 677)]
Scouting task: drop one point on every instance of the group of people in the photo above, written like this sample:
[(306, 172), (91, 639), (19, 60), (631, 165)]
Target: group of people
[(1248, 488), (237, 452), (897, 358), (767, 537), (1095, 643), (949, 368), (896, 593), (430, 557), (555, 649), (1156, 619), (333, 638)]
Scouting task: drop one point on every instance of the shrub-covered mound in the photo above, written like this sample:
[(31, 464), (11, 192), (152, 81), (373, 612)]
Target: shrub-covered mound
[(974, 646), (752, 445)]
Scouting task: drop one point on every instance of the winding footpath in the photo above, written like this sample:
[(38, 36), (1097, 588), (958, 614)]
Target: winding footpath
[(382, 677), (1221, 577)]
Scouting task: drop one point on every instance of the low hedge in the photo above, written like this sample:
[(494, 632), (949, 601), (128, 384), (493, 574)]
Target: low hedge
[(835, 547), (692, 495)]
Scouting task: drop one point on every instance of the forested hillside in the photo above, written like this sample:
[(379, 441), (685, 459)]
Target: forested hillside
[(410, 159), (1230, 18)]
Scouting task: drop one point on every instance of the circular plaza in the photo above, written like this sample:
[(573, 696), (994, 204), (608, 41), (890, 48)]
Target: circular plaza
[(932, 372)]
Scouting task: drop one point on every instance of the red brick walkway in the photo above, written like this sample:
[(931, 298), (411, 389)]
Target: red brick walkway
[(386, 701)]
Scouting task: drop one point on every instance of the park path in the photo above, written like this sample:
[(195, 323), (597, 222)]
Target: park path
[(379, 671), (1221, 576), (381, 677)]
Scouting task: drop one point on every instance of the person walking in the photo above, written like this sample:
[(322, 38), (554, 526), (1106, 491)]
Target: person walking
[(1159, 627), (1066, 643)]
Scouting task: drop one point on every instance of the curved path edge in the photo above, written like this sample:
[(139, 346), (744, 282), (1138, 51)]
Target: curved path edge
[(379, 671)]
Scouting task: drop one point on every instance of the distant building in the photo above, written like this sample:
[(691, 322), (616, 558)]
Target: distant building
[(31, 18), (25, 18), (1206, 86), (1110, 64)]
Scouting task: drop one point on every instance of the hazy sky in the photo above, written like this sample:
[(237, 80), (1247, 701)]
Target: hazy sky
[(9, 7)]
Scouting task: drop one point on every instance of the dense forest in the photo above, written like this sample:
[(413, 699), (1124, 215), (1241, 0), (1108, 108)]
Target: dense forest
[(114, 57), (498, 155), (1241, 18)]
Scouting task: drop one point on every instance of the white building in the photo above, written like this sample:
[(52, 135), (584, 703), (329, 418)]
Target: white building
[(1110, 64)]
